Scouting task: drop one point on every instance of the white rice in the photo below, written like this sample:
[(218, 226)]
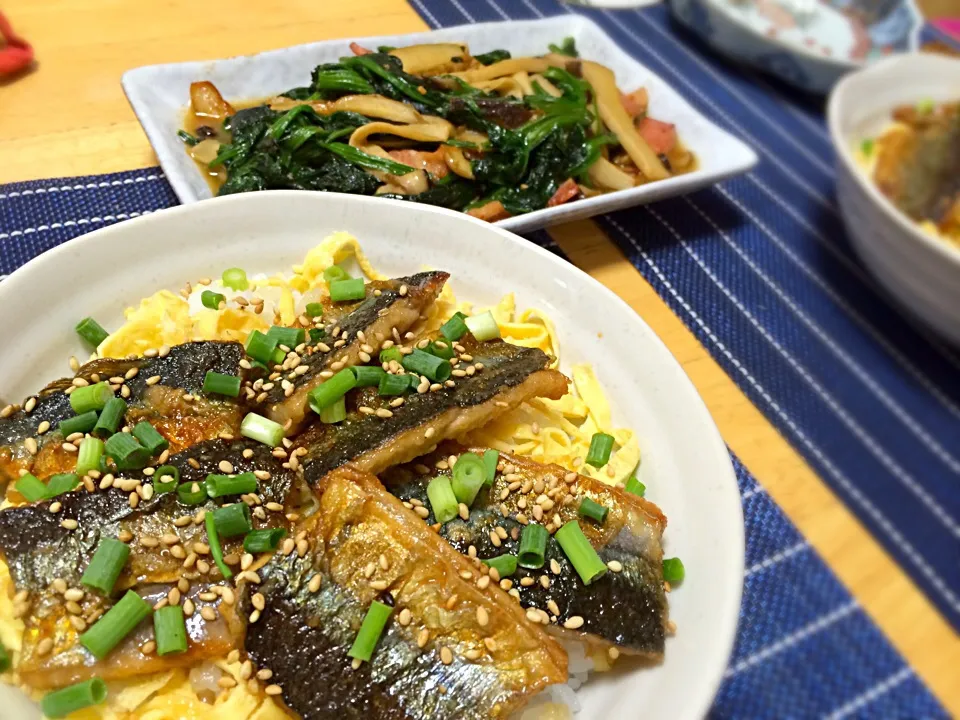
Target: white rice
[(559, 702)]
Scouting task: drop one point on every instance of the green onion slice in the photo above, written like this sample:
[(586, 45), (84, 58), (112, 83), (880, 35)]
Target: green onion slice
[(442, 499), (673, 571), (32, 488), (533, 546), (221, 485), (215, 550), (212, 300), (220, 384), (150, 437), (113, 627), (370, 631), (505, 565), (316, 334), (256, 427), (393, 384), (367, 375), (440, 349), (232, 520), (391, 353), (91, 331), (347, 290), (490, 460), (331, 390), (580, 552), (454, 328), (192, 493), (63, 702), (126, 452), (423, 363), (235, 279), (601, 445), (62, 483), (111, 417), (106, 565), (90, 397), (483, 327), (165, 479), (260, 541), (314, 310), (261, 347), (5, 661), (88, 457), (287, 336), (593, 510), (79, 423), (170, 630), (335, 273), (469, 475), (335, 413), (635, 486)]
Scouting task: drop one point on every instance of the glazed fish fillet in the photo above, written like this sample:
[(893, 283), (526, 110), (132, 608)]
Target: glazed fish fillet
[(352, 329), (453, 648), (509, 375), (30, 439), (627, 609), (41, 553)]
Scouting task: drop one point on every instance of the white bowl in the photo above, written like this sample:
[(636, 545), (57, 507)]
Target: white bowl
[(159, 95), (686, 465), (922, 272)]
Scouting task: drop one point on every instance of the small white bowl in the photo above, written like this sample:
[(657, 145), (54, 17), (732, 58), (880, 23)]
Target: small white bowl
[(922, 272)]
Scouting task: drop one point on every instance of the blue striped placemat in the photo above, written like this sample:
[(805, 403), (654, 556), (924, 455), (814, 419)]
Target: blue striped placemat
[(804, 647)]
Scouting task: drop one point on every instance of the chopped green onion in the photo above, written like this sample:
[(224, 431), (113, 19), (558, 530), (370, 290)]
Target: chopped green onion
[(222, 485), (90, 397), (422, 363), (346, 290), (256, 427), (63, 702), (673, 570), (126, 452), (314, 310), (32, 488), (533, 546), (79, 423), (106, 565), (635, 486), (866, 147), (232, 520), (192, 493), (925, 107), (367, 375), (600, 446), (469, 474), (111, 417), (331, 390), (393, 384), (91, 331), (580, 552), (261, 347), (113, 627), (490, 460), (440, 349), (260, 541), (220, 384), (160, 485), (170, 630), (287, 336), (88, 457), (442, 500), (62, 483), (370, 631), (335, 273), (332, 414), (215, 550), (187, 138), (483, 327), (4, 659), (211, 299), (454, 328), (593, 510), (150, 437), (235, 279), (391, 353), (316, 334), (505, 565), (278, 357)]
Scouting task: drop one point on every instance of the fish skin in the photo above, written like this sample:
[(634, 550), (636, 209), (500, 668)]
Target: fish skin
[(304, 637), (375, 316), (627, 609), (511, 374), (183, 423), (37, 550)]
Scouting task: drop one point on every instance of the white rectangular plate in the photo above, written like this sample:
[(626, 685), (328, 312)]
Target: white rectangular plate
[(159, 95)]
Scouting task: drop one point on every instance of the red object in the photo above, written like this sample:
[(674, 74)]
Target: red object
[(16, 53), (358, 49), (660, 136), (568, 190)]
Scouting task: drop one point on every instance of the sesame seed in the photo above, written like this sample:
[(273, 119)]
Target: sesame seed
[(79, 624), (495, 539), (573, 622), (68, 524), (506, 584), (615, 566), (302, 547), (227, 595), (483, 617), (44, 647), (225, 466), (314, 584), (613, 653), (446, 655), (273, 690), (203, 567), (31, 445), (545, 582), (259, 602), (254, 616), (208, 613), (264, 674), (227, 682), (533, 615), (153, 380), (526, 581), (384, 413)]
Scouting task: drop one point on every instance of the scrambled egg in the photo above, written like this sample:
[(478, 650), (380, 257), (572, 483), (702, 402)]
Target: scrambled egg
[(545, 430)]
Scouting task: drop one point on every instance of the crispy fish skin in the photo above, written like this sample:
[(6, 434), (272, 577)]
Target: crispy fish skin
[(375, 317), (627, 608), (181, 422), (304, 636), (510, 375), (38, 550)]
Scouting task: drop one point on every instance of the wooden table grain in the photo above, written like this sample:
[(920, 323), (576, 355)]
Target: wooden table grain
[(69, 117)]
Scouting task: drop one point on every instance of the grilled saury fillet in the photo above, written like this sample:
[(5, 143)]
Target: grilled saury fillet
[(38, 549), (454, 647), (30, 440), (370, 322), (507, 375), (626, 608)]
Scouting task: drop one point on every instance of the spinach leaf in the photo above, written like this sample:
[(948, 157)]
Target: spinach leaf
[(567, 47), (454, 194), (491, 57)]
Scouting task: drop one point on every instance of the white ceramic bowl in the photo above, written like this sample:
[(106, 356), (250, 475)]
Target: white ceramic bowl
[(686, 466), (920, 271)]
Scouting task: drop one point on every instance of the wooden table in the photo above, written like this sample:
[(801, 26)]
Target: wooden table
[(69, 117)]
